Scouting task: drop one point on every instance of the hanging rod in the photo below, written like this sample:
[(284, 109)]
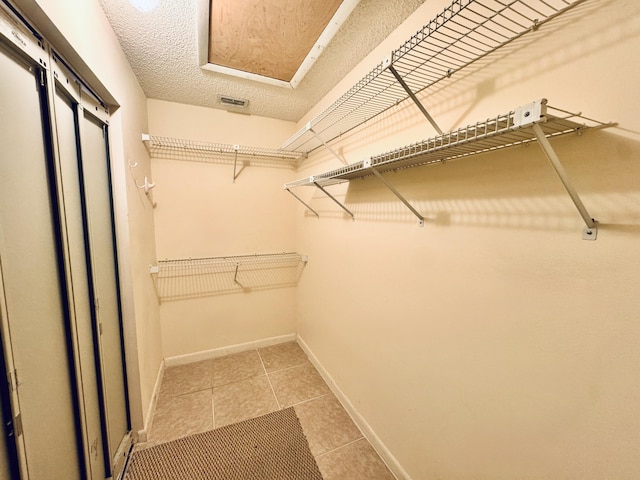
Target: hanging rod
[(461, 34), (534, 122)]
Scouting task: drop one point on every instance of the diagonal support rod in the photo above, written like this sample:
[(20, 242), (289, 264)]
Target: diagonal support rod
[(414, 98), (562, 174), (335, 200), (235, 162), (327, 146), (397, 194), (302, 202)]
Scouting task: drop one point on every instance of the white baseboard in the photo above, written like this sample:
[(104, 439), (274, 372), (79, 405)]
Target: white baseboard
[(143, 435), (359, 420), (222, 351)]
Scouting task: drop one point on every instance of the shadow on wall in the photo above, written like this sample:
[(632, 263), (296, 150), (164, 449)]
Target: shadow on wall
[(514, 188)]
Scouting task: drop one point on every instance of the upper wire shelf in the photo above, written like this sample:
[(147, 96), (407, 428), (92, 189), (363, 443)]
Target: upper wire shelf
[(200, 277), (195, 151), (502, 131), (464, 32)]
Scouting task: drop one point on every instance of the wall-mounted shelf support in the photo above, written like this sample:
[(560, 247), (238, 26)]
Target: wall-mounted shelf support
[(326, 145), (334, 199), (235, 163), (535, 121), (235, 277), (367, 164), (590, 231), (302, 201), (413, 97)]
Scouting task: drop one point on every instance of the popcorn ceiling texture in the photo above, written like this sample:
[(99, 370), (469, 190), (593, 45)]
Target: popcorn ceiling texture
[(162, 48)]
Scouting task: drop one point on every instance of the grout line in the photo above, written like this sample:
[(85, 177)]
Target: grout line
[(341, 446), (262, 362), (270, 384), (310, 399), (213, 411), (291, 367)]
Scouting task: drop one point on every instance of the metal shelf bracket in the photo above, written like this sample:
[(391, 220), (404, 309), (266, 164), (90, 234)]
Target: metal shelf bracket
[(302, 201), (326, 145), (333, 198), (367, 164), (236, 174), (412, 95), (590, 231)]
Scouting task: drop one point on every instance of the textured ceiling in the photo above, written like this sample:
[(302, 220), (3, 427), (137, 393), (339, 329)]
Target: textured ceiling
[(162, 48)]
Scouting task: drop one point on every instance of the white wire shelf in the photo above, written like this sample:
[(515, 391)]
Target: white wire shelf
[(464, 32), (496, 133), (535, 121), (200, 277), (195, 151)]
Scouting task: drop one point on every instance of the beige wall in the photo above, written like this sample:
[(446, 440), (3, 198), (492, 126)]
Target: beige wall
[(201, 212), (81, 33), (493, 343)]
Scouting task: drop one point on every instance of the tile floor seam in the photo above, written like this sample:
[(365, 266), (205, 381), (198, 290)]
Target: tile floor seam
[(239, 380), (310, 399), (291, 367), (213, 411), (189, 392), (341, 447), (270, 384), (262, 361)]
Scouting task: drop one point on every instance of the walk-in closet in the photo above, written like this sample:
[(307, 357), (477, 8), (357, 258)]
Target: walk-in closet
[(319, 240)]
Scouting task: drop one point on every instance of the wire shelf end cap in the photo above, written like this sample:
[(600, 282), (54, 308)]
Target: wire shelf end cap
[(529, 113)]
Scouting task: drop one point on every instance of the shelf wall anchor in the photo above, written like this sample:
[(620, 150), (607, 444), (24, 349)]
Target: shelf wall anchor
[(367, 164), (590, 231)]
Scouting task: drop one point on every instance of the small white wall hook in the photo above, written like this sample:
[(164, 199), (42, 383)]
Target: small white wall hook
[(133, 165), (147, 185)]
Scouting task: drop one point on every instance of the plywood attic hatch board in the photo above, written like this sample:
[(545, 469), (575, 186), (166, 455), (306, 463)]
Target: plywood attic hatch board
[(272, 41)]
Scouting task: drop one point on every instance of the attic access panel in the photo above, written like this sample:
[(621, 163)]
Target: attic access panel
[(271, 41)]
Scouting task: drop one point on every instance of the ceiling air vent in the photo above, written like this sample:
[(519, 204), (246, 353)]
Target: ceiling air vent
[(233, 102)]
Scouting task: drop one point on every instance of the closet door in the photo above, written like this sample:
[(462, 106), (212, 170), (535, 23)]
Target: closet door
[(33, 296), (66, 118), (8, 450), (101, 236)]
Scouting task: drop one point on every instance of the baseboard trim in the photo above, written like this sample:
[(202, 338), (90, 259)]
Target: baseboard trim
[(222, 351), (143, 435), (359, 420)]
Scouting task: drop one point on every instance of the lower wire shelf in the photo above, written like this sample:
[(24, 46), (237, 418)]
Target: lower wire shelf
[(182, 279), (534, 122)]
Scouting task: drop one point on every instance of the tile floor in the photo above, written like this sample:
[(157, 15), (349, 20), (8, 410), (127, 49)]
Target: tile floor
[(212, 393)]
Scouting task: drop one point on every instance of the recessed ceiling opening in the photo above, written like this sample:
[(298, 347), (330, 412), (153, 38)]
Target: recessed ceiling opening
[(272, 41)]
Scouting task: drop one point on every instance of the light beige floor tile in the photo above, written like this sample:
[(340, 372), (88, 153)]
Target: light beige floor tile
[(240, 401), (182, 415), (326, 424), (236, 367), (357, 461), (187, 378), (283, 355), (297, 384)]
